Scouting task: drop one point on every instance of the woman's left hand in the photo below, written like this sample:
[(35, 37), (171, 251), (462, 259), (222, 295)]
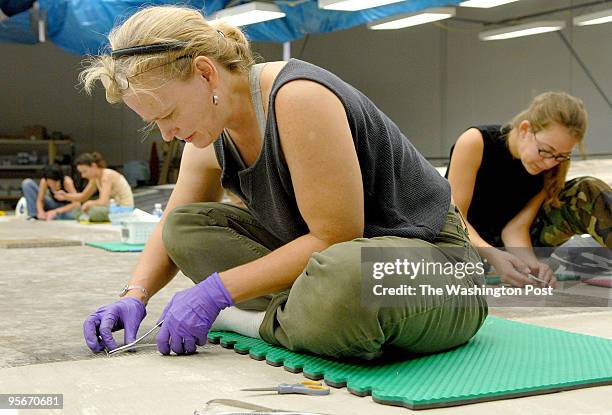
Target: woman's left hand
[(51, 214), (542, 271), (190, 314), (86, 206)]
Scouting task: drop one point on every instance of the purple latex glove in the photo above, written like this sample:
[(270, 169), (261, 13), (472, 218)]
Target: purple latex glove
[(126, 313), (189, 315)]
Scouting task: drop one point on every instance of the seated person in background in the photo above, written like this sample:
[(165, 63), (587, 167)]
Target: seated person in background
[(41, 198), (109, 183), (509, 182)]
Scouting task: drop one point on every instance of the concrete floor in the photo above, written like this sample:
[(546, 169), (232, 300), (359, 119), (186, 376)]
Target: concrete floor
[(46, 293)]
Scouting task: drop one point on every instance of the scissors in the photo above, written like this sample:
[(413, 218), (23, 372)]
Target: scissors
[(307, 387), (134, 345)]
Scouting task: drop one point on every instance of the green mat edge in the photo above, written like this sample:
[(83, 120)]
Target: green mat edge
[(433, 403), (99, 245), (220, 337)]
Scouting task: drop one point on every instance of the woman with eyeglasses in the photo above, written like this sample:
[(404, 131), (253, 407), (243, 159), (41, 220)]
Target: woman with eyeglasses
[(509, 182), (323, 173)]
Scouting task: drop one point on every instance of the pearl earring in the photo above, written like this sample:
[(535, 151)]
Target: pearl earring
[(215, 99)]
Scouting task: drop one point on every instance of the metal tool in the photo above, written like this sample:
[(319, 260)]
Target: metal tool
[(307, 387), (497, 280), (214, 406), (134, 345), (533, 277)]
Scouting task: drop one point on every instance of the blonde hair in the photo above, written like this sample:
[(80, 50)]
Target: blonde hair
[(555, 108), (217, 40)]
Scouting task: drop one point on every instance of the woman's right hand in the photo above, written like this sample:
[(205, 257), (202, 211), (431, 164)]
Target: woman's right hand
[(41, 215), (60, 195), (126, 314), (510, 268)]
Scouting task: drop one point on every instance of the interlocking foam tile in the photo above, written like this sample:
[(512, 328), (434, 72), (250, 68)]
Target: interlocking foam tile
[(116, 246), (506, 359), (37, 243)]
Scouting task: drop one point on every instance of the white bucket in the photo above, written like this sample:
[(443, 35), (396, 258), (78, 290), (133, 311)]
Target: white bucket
[(21, 210)]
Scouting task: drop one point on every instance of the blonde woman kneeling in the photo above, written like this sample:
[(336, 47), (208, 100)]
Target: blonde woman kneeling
[(323, 173)]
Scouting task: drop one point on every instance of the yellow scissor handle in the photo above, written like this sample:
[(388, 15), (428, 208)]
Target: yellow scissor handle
[(311, 382)]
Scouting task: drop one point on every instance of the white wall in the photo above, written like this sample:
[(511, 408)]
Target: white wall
[(495, 80), (433, 82), (38, 85)]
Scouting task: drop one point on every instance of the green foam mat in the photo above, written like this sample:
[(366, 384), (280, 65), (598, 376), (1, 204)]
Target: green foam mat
[(117, 246), (506, 359)]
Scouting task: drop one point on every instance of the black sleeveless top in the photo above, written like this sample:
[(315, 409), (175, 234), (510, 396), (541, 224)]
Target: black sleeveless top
[(403, 194), (502, 188), (61, 202)]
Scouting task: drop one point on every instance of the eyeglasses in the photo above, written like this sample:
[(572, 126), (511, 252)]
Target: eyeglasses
[(545, 154), (123, 81)]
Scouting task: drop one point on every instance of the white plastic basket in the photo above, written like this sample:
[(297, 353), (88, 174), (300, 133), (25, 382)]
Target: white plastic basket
[(119, 214), (136, 232)]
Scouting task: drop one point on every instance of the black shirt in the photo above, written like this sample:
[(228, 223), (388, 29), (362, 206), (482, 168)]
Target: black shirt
[(62, 187), (403, 194), (502, 187)]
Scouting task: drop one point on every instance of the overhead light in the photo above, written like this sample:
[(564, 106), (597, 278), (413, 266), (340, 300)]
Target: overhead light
[(250, 13), (413, 19), (352, 5), (527, 29), (485, 4), (604, 16)]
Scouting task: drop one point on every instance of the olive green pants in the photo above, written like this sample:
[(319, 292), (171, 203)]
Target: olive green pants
[(323, 312)]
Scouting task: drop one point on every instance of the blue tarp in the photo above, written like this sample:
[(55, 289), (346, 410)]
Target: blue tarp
[(13, 7), (81, 26), (18, 29)]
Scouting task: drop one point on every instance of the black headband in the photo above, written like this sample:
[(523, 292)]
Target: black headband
[(147, 49)]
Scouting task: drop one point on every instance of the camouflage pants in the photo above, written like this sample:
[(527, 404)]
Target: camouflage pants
[(95, 214), (586, 207)]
